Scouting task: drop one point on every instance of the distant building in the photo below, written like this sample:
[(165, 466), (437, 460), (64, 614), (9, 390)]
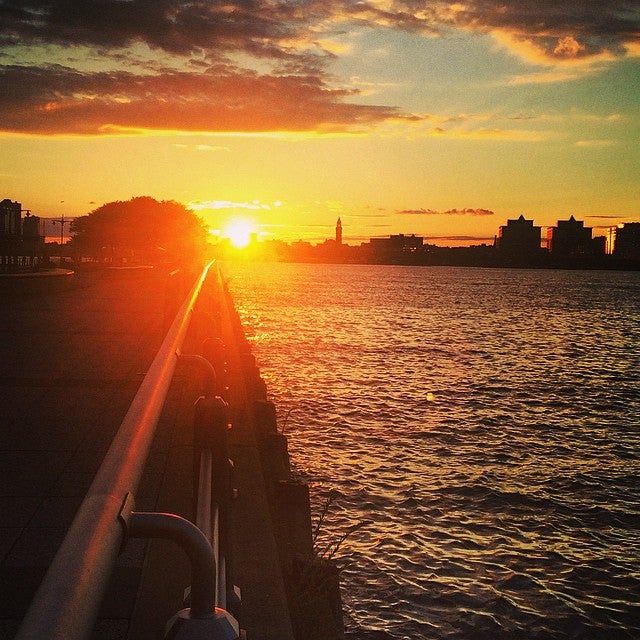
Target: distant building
[(10, 219), (31, 228), (339, 232), (396, 249), (21, 245), (406, 243), (626, 241), (400, 242), (599, 244), (569, 239), (519, 238)]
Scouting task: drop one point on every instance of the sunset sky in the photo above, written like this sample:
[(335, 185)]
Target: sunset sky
[(437, 118)]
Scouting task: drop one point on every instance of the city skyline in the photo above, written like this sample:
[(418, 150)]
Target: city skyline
[(442, 120), (519, 243), (241, 233)]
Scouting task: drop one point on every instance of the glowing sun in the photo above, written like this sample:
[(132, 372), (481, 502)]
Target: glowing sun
[(239, 232)]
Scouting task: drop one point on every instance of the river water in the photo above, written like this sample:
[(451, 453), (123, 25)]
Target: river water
[(475, 435)]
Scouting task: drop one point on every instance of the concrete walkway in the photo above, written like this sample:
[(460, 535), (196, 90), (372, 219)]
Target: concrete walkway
[(73, 351)]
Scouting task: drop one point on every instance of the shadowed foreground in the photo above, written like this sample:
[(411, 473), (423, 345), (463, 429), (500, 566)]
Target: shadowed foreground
[(72, 357)]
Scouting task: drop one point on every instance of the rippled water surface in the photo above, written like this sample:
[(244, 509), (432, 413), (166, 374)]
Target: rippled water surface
[(483, 428)]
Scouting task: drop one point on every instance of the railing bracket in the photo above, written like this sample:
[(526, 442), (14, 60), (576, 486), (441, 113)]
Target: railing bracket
[(206, 367), (127, 508)]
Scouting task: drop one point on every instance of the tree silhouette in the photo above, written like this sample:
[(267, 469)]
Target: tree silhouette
[(139, 230)]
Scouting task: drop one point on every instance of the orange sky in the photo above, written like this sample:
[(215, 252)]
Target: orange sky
[(441, 119)]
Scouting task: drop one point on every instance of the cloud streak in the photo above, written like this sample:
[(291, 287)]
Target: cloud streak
[(461, 238), (448, 212)]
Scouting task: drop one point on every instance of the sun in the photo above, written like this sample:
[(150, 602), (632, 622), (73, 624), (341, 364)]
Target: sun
[(239, 231)]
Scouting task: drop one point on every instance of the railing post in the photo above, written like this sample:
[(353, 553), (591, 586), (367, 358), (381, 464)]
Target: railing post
[(203, 619), (203, 566), (214, 468)]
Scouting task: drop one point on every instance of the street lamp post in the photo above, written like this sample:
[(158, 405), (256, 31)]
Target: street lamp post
[(61, 221)]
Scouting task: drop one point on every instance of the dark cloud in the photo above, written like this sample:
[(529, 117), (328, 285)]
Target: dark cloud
[(175, 26), (448, 212), (559, 30), (55, 99)]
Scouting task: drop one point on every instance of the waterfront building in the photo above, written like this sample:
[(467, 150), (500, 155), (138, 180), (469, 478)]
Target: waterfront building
[(21, 245), (599, 244), (339, 232), (10, 219), (399, 242), (569, 238), (518, 237), (626, 241), (396, 249)]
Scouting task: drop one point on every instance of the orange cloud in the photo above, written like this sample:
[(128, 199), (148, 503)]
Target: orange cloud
[(59, 100)]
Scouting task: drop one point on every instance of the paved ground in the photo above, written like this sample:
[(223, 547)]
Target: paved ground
[(73, 351)]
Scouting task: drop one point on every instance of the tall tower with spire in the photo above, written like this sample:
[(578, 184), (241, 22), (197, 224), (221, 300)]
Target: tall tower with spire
[(339, 232)]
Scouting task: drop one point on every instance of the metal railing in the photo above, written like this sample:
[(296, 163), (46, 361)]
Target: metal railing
[(66, 604)]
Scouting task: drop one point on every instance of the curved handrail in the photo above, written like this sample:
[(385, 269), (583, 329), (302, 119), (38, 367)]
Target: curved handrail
[(66, 604)]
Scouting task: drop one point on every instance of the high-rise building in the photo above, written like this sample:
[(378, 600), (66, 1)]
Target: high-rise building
[(519, 237), (10, 218), (626, 243), (339, 232), (569, 238)]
